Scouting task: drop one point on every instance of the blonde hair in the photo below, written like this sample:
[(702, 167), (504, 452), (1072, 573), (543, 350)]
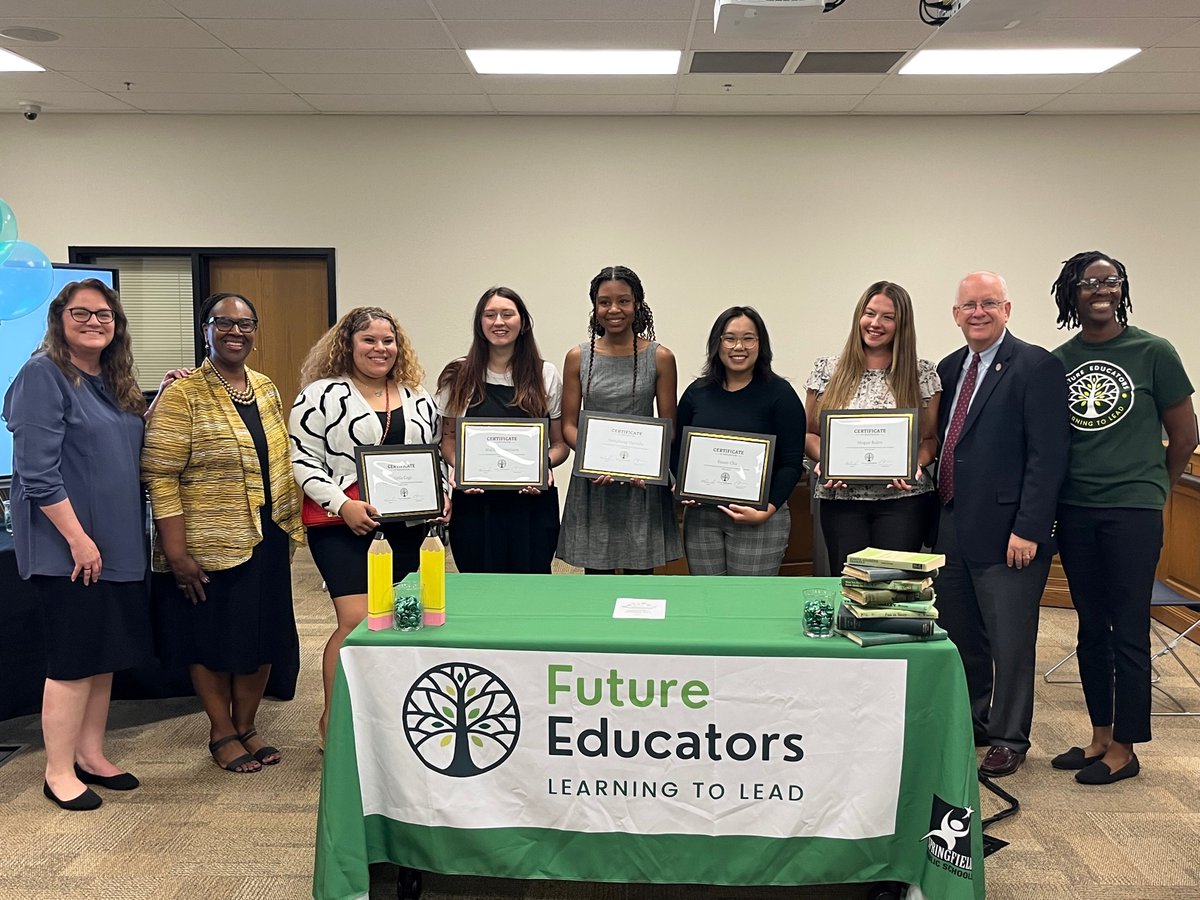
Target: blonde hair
[(333, 355), (116, 360), (902, 373)]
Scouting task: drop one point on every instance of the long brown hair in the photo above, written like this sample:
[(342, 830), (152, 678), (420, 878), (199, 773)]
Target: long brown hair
[(902, 373), (466, 378), (116, 360), (333, 355)]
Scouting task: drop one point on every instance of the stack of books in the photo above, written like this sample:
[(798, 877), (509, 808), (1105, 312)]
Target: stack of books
[(888, 597)]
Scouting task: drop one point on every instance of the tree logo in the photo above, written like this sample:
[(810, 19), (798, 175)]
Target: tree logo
[(1099, 395), (461, 720)]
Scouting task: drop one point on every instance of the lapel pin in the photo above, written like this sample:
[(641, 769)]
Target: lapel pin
[(999, 366)]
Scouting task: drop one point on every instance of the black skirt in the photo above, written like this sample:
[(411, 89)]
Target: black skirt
[(504, 531), (247, 620), (341, 555), (103, 627)]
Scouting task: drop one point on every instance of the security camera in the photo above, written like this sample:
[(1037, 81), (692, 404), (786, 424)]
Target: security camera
[(30, 110)]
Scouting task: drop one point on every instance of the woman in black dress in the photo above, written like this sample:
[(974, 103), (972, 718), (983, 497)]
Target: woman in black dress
[(503, 376), (227, 511)]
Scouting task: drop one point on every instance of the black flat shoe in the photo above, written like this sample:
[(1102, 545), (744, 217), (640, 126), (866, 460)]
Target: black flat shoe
[(123, 781), (1074, 759), (89, 799), (1099, 773)]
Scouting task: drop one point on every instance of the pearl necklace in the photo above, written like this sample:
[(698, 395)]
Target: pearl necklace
[(245, 398)]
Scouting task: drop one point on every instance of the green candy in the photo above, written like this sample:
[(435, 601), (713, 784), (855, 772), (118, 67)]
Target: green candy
[(409, 616)]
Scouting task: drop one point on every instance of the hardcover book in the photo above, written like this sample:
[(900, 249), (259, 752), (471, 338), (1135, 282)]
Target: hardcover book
[(877, 574), (922, 627), (897, 559), (895, 611), (904, 585), (879, 638), (885, 597)]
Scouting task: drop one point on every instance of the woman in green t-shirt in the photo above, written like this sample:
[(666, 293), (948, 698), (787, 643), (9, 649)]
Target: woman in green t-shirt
[(1125, 387)]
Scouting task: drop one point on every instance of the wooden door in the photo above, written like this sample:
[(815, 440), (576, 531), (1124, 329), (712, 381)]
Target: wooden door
[(291, 295)]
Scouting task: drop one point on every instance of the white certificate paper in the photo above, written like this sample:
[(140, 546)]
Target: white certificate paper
[(509, 454), (875, 447), (401, 483), (725, 468), (633, 449), (639, 608)]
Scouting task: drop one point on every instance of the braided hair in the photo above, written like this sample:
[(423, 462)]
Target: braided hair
[(1065, 289), (643, 317)]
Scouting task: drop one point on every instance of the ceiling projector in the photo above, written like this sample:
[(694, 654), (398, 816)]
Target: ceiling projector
[(765, 19)]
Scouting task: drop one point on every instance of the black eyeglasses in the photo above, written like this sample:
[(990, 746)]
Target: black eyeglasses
[(1094, 284), (224, 324), (82, 314)]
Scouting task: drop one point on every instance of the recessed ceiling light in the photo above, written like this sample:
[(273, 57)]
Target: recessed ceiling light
[(575, 62), (33, 35), (10, 62), (1060, 61)]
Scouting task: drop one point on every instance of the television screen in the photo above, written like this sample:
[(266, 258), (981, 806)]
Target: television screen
[(20, 337)]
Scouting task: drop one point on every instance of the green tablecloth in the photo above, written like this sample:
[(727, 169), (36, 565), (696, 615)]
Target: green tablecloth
[(806, 754)]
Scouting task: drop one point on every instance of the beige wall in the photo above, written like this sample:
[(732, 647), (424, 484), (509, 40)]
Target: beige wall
[(794, 216)]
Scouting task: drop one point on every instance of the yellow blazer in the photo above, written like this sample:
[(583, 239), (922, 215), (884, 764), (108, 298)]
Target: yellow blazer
[(199, 460)]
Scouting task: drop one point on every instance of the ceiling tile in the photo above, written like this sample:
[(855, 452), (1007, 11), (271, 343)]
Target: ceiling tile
[(359, 62), (382, 84), (1156, 59), (863, 9), (304, 9), (221, 103), (570, 84), (1142, 83), (777, 104), (567, 10), (66, 101), (1186, 37), (148, 59), (744, 85), (328, 34), (182, 82), (114, 32), (1119, 9), (980, 84), (559, 104), (1123, 103), (89, 9), (38, 82), (480, 35), (1070, 33), (379, 104), (951, 104)]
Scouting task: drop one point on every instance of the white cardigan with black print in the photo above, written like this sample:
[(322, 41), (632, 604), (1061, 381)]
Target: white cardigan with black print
[(330, 418)]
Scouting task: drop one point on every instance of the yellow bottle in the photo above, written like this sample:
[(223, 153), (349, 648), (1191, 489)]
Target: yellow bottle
[(433, 578), (380, 604)]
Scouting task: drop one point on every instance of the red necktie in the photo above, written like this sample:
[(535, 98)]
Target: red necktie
[(946, 463)]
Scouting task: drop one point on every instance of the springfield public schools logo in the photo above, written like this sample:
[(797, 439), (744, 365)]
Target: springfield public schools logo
[(948, 840), (1099, 395), (461, 720)]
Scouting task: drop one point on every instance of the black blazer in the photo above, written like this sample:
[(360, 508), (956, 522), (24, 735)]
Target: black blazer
[(1011, 457)]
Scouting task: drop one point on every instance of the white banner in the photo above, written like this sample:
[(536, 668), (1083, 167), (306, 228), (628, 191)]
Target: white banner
[(613, 742)]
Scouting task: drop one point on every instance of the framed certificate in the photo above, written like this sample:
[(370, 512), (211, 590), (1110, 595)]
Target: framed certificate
[(869, 446), (402, 481), (502, 454), (624, 447), (725, 467)]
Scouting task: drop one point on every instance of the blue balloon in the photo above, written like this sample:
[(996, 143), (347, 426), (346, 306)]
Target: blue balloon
[(26, 279), (8, 229)]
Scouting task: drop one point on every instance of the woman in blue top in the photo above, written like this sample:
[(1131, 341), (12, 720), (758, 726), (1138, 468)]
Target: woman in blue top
[(75, 411)]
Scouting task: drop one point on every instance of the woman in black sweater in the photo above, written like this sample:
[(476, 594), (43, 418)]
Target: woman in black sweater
[(738, 391)]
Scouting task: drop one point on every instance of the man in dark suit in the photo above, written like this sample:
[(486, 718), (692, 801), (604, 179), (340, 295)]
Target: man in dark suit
[(1004, 434)]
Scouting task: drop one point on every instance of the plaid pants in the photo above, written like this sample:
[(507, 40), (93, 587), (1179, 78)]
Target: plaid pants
[(717, 545)]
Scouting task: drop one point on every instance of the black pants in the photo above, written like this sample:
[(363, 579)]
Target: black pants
[(851, 525), (1109, 555)]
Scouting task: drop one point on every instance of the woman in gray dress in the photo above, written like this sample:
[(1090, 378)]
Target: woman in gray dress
[(609, 525)]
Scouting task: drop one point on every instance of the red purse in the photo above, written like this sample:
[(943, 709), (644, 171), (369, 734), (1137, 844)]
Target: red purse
[(313, 515)]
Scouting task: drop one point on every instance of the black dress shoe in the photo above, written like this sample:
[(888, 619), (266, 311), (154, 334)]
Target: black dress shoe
[(1001, 761), (1099, 773), (122, 781), (89, 799), (1074, 759)]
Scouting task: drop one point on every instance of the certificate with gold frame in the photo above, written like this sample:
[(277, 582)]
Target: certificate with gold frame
[(623, 447), (725, 467), (497, 454), (402, 481), (869, 446)]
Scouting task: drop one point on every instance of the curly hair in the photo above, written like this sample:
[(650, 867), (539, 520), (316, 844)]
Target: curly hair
[(643, 317), (116, 360), (333, 355), (902, 373), (1065, 289)]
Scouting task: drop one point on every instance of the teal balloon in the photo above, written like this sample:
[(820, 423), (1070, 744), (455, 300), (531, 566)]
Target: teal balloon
[(8, 229), (26, 279)]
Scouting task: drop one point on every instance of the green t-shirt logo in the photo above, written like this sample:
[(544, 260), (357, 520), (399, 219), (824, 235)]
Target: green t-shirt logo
[(1099, 395)]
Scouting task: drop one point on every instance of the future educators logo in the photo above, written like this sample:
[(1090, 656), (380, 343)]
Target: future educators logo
[(1099, 395), (461, 720), (948, 840)]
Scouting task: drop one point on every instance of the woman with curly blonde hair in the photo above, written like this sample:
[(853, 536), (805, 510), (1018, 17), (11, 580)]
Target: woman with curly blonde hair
[(360, 385)]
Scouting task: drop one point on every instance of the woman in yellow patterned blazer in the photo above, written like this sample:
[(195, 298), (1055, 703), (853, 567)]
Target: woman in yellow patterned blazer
[(227, 510)]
